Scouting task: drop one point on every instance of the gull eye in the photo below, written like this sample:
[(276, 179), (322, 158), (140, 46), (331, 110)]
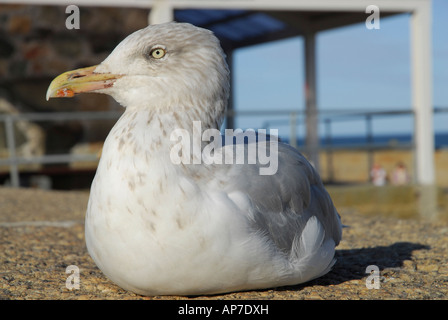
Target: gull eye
[(157, 53)]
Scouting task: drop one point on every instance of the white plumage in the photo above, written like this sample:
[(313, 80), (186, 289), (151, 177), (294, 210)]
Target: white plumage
[(159, 228)]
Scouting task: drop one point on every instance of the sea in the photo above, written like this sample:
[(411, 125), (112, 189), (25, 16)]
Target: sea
[(385, 140)]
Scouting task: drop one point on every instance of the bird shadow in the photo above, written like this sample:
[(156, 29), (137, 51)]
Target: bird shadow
[(351, 264)]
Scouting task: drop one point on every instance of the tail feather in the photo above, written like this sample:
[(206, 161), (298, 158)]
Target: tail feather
[(312, 255)]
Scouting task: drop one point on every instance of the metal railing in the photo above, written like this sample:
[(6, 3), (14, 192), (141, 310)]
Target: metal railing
[(13, 160), (293, 118)]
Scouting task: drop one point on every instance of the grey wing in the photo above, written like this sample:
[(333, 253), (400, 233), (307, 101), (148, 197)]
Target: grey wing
[(283, 202)]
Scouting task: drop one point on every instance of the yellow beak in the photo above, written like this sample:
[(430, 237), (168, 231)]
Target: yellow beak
[(78, 81)]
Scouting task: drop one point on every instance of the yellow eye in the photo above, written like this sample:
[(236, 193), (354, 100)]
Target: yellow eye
[(157, 53)]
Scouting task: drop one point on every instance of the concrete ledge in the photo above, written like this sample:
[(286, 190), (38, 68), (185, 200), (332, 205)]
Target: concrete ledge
[(395, 201)]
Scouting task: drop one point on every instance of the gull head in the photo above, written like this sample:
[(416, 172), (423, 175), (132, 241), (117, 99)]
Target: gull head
[(170, 66)]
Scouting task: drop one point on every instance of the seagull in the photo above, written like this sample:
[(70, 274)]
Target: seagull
[(156, 226)]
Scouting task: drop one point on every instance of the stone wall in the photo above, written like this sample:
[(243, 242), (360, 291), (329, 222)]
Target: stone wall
[(36, 46), (34, 41)]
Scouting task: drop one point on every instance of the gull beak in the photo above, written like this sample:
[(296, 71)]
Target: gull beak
[(78, 81)]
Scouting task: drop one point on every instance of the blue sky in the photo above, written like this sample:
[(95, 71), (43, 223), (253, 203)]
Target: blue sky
[(357, 69)]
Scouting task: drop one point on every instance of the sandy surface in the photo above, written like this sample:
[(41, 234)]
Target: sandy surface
[(42, 233), (353, 166)]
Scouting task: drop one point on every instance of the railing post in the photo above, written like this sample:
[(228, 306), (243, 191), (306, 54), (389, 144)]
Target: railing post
[(292, 129), (370, 161), (11, 143), (329, 143)]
